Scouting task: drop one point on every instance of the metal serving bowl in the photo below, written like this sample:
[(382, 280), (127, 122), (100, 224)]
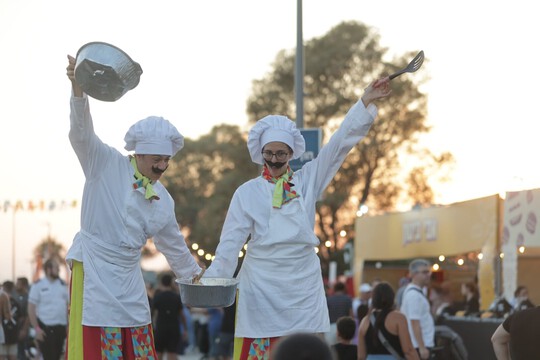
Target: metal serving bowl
[(211, 292), (105, 72)]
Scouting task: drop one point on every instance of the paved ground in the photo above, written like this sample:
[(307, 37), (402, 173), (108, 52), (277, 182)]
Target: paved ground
[(190, 356)]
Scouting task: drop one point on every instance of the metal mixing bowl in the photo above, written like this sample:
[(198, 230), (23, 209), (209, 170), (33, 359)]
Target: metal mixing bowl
[(211, 292), (105, 72)]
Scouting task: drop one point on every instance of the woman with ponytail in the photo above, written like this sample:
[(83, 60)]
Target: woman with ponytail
[(383, 333)]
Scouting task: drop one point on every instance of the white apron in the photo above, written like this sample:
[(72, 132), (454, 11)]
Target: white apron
[(114, 274), (281, 289)]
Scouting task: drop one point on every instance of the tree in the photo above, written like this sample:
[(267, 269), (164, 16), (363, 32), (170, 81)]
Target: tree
[(203, 178), (338, 66), (48, 248), (387, 168)]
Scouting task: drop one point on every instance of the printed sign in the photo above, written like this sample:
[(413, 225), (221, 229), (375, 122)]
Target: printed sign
[(313, 144)]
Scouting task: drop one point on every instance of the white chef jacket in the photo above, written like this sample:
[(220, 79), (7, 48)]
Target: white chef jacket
[(281, 289), (116, 221)]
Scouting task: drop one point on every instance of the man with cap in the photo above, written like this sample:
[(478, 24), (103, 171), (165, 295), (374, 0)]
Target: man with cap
[(281, 290), (362, 303), (123, 205)]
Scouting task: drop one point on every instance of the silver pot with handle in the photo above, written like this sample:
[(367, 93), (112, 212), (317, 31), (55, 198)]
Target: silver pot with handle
[(105, 72)]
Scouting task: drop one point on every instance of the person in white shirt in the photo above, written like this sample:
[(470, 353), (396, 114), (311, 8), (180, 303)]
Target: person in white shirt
[(281, 290), (417, 309), (364, 299), (47, 311), (123, 205)]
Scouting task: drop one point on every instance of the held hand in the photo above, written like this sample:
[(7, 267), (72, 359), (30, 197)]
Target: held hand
[(424, 353), (70, 72), (378, 89), (40, 334), (196, 279)]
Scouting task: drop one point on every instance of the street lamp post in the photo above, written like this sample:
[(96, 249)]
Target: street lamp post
[(299, 66), (13, 242)]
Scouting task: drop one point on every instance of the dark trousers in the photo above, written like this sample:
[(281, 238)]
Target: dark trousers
[(53, 345)]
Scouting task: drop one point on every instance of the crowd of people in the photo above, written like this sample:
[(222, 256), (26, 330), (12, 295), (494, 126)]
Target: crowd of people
[(15, 338), (409, 323), (38, 314), (369, 326)]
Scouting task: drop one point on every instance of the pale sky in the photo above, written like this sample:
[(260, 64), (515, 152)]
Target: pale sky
[(199, 59)]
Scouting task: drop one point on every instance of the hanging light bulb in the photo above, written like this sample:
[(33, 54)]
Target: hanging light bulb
[(362, 210)]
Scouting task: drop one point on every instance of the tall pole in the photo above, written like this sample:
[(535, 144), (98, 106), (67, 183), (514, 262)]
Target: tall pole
[(299, 68)]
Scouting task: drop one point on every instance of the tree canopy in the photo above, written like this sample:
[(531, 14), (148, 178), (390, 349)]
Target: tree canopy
[(202, 179), (338, 66), (386, 168)]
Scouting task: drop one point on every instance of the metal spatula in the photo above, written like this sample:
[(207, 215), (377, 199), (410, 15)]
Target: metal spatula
[(413, 65)]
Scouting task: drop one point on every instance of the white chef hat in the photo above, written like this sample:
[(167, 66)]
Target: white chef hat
[(154, 135), (274, 128)]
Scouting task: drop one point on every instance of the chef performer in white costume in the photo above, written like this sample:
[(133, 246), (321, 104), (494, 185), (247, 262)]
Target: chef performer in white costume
[(123, 205), (281, 288)]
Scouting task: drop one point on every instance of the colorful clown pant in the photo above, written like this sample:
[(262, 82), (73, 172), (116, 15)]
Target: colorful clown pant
[(110, 343)]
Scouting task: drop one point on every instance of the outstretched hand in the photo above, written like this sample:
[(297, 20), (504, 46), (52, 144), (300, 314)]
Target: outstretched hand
[(378, 89), (70, 72)]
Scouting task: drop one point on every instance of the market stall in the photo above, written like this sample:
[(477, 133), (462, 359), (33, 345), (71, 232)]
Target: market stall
[(461, 228)]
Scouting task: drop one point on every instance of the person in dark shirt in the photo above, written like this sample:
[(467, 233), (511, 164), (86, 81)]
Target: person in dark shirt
[(346, 328), (225, 339), (339, 304), (22, 287), (517, 337), (521, 299), (472, 299), (167, 310)]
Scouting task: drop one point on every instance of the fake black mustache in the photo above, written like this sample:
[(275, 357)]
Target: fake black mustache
[(156, 170), (275, 165)]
